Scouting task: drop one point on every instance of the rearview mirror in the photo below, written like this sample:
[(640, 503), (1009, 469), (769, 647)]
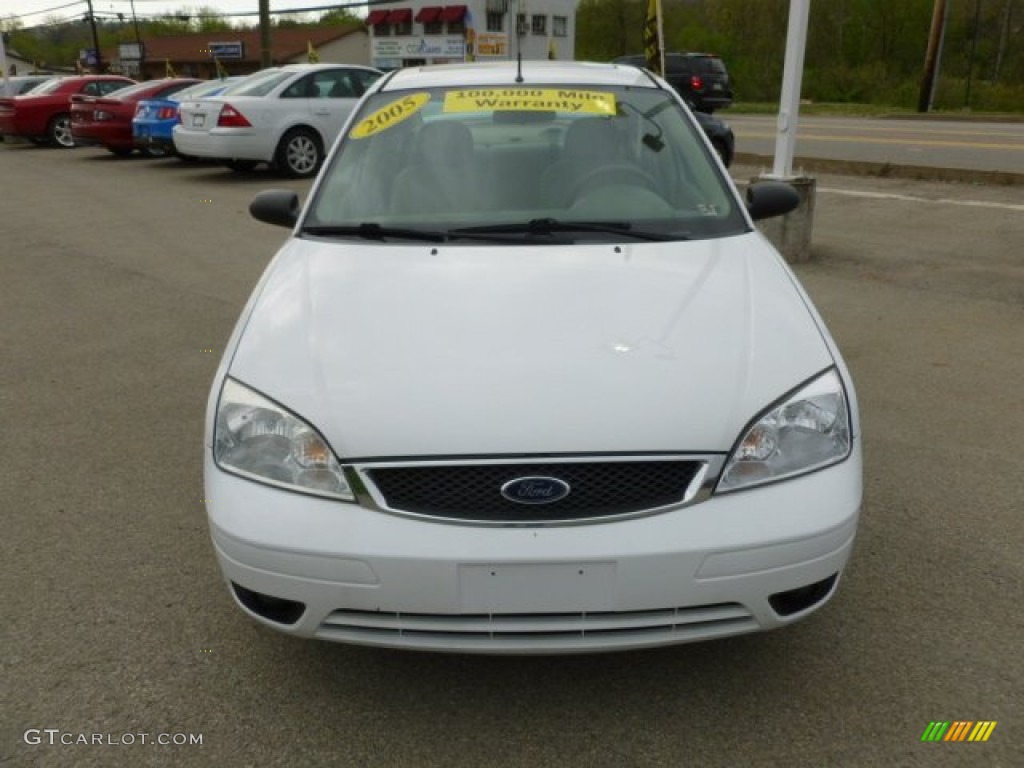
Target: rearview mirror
[(276, 206), (767, 199)]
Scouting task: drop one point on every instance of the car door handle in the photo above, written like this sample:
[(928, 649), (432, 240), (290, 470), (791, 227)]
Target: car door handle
[(321, 111)]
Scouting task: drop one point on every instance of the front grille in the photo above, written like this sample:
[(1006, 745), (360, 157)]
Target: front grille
[(540, 632), (473, 491)]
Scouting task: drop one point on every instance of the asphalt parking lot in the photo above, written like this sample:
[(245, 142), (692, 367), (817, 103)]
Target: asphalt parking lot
[(122, 280)]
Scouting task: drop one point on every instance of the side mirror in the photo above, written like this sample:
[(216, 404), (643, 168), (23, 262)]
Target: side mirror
[(766, 199), (279, 207)]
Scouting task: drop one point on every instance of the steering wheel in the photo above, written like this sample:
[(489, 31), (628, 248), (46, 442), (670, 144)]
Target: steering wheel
[(618, 173)]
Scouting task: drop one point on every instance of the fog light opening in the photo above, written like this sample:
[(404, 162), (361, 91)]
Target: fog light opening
[(795, 600), (274, 609)]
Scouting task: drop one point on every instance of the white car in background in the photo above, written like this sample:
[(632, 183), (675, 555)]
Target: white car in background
[(284, 116)]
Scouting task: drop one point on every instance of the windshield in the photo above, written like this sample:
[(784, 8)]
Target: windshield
[(48, 87), (28, 86), (206, 88), (130, 91), (458, 160)]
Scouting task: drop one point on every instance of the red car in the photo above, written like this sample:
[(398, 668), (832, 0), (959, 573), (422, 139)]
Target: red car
[(107, 120), (44, 115)]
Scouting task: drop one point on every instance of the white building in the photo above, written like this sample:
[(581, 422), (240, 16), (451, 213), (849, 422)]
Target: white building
[(16, 64), (416, 33)]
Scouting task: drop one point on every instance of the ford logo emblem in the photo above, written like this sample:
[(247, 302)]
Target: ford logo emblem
[(535, 490)]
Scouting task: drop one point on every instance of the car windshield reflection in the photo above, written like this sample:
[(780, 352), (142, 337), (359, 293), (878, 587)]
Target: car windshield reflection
[(454, 159)]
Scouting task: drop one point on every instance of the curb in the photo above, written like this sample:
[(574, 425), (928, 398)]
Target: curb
[(887, 170), (955, 117)]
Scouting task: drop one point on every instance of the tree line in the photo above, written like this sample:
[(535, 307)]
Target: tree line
[(57, 42), (864, 51)]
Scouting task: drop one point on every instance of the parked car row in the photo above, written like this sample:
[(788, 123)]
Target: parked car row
[(107, 120), (285, 116), (155, 118), (43, 115)]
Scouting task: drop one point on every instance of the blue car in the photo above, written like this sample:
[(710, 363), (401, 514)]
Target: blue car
[(154, 121)]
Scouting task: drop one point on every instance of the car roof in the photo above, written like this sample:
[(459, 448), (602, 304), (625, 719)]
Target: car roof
[(504, 73), (86, 78), (303, 67)]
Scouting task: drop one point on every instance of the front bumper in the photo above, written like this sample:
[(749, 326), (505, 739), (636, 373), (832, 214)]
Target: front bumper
[(709, 570)]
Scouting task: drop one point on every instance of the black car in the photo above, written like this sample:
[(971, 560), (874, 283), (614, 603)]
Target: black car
[(700, 78), (720, 134)]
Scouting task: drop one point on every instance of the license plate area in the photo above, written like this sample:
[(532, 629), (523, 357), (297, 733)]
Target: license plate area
[(198, 121), (537, 587)]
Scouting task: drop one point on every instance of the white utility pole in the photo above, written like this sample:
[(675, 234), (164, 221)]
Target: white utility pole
[(792, 75), (5, 90)]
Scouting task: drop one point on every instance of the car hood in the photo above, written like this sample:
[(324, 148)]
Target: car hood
[(417, 350)]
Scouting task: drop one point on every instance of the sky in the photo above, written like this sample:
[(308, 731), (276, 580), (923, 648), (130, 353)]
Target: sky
[(39, 10)]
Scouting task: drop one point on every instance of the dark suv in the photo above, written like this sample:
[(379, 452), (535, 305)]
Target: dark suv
[(700, 78)]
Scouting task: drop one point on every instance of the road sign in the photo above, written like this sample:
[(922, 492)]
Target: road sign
[(229, 50)]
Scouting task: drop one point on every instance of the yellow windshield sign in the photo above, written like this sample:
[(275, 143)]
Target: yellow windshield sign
[(530, 99), (389, 115)]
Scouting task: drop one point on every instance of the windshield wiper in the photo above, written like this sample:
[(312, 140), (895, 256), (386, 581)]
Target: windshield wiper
[(496, 232), (370, 231), (551, 226)]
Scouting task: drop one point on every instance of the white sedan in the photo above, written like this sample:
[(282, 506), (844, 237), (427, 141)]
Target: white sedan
[(526, 378), (285, 116)]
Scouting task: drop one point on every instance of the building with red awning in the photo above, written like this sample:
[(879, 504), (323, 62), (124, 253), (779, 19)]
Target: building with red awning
[(419, 33)]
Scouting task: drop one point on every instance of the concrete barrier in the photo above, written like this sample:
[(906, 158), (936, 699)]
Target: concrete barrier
[(791, 233)]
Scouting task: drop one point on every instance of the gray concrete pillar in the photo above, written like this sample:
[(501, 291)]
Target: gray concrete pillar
[(791, 233)]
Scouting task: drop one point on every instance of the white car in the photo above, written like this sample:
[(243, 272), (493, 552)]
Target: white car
[(284, 116), (526, 378)]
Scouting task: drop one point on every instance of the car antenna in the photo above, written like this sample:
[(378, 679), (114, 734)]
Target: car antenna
[(519, 67)]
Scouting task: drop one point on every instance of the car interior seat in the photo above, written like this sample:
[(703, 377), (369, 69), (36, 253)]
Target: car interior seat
[(342, 89), (442, 175), (590, 142)]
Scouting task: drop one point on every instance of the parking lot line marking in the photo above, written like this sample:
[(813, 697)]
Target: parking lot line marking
[(916, 199)]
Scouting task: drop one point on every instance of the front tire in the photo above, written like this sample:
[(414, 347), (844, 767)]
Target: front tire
[(299, 154), (59, 131)]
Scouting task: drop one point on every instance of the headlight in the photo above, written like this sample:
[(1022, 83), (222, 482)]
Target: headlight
[(260, 440), (807, 431)]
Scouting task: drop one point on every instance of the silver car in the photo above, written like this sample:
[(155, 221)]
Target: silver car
[(19, 84), (284, 116)]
